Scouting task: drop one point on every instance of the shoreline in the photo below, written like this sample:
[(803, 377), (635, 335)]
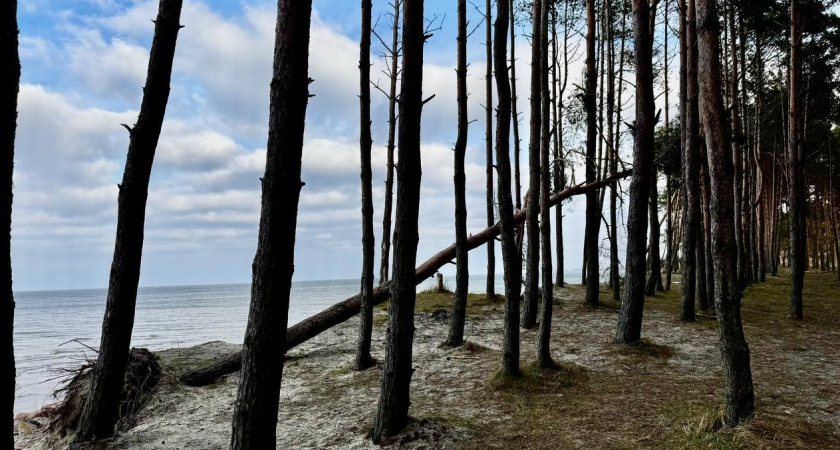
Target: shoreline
[(657, 396)]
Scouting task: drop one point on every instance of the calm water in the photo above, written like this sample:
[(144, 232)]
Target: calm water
[(167, 317)]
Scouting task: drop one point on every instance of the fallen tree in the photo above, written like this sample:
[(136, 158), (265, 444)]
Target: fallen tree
[(343, 311)]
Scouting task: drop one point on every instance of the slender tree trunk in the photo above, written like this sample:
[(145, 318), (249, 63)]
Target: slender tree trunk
[(736, 150), (363, 359), (532, 257), (705, 276), (510, 256), (796, 176), (392, 412), (630, 317), (669, 232), (559, 166), (255, 410), (544, 342), (9, 86), (102, 406), (517, 184), (384, 263), (488, 95), (593, 215), (459, 310), (614, 262), (612, 154), (740, 400), (654, 283), (691, 168)]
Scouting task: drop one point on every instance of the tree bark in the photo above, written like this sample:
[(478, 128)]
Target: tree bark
[(384, 263), (559, 152), (363, 359), (102, 409), (532, 257), (740, 400), (517, 184), (544, 341), (392, 412), (255, 410), (691, 167), (796, 176), (459, 310), (346, 309), (488, 117), (9, 86), (654, 282), (593, 215), (510, 255), (630, 317)]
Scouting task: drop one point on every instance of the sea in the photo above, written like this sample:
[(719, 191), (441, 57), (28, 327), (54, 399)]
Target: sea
[(56, 330)]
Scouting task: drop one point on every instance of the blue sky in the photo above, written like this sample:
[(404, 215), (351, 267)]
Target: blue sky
[(84, 64)]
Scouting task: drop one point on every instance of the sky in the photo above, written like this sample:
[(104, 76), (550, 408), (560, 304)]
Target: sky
[(83, 69)]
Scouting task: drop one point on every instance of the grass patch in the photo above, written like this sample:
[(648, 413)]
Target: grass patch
[(533, 379), (429, 301), (700, 426), (647, 348)]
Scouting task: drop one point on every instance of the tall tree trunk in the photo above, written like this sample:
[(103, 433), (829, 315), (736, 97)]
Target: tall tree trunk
[(488, 110), (544, 342), (669, 231), (740, 400), (796, 176), (532, 257), (392, 412), (9, 85), (612, 152), (691, 167), (459, 310), (630, 317), (363, 359), (384, 262), (593, 215), (559, 166), (102, 407), (517, 184), (736, 150), (255, 410), (510, 255), (614, 262)]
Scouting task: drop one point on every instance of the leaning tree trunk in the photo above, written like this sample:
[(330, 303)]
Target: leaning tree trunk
[(459, 310), (255, 410), (102, 407), (630, 318), (488, 152), (344, 310), (796, 176), (691, 168), (740, 400), (532, 257), (593, 215), (384, 263), (392, 412), (510, 255), (363, 359), (9, 85)]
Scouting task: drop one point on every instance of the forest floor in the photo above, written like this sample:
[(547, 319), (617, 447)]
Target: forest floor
[(667, 393)]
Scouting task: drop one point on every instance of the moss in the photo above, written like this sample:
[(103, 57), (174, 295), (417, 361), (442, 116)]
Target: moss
[(647, 348)]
